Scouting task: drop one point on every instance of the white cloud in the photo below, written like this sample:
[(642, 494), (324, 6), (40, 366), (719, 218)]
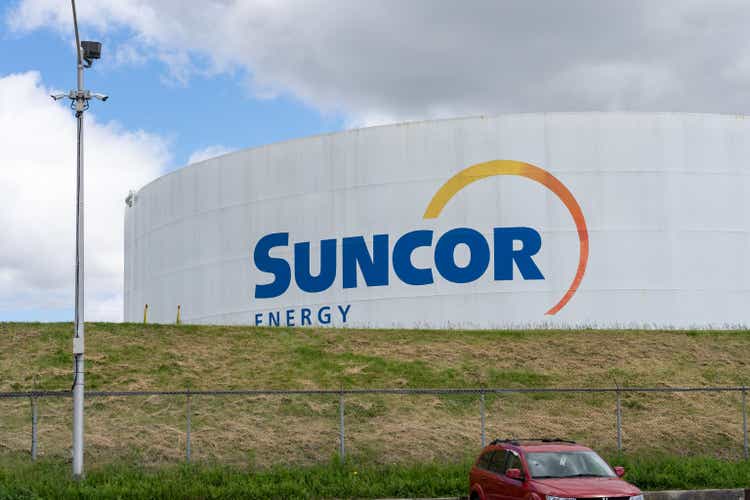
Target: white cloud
[(390, 60), (209, 152), (37, 200), (129, 54), (613, 86)]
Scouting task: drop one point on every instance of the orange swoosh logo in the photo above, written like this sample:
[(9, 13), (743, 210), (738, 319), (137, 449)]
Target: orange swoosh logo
[(511, 167)]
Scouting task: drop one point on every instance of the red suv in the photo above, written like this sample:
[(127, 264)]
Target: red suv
[(546, 469)]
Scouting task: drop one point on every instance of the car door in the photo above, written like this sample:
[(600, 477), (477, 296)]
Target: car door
[(481, 475), (513, 489), (495, 489)]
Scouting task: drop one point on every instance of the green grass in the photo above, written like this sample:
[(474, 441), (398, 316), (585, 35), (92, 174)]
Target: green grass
[(329, 480), (660, 472), (52, 480)]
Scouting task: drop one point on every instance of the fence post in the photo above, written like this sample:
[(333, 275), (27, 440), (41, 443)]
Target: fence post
[(34, 422), (744, 422), (481, 414), (187, 437), (145, 314), (342, 445), (619, 420)]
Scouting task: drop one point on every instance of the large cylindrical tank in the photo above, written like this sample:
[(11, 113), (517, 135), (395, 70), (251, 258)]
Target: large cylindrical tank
[(563, 219)]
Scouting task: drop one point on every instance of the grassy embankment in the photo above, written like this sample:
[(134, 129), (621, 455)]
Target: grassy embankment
[(381, 430)]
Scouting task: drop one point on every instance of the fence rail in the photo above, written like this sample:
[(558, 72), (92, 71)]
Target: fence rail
[(335, 392), (33, 396)]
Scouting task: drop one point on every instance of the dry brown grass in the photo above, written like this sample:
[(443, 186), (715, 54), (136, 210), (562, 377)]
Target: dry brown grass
[(296, 429)]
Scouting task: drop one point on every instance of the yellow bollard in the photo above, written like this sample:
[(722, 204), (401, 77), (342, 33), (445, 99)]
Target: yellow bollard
[(145, 314), (179, 319)]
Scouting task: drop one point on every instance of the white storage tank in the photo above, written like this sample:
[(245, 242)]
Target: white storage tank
[(526, 220)]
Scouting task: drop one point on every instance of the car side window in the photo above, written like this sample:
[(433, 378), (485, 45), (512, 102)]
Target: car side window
[(484, 460), (513, 462), (497, 464)]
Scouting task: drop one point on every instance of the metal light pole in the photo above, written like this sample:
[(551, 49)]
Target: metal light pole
[(86, 51)]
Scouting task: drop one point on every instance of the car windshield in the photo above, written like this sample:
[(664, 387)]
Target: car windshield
[(558, 464)]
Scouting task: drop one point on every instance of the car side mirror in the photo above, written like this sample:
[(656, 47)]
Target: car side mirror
[(514, 474), (620, 471)]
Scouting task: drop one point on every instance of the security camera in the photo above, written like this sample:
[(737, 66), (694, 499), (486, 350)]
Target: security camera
[(101, 97), (91, 51), (57, 97)]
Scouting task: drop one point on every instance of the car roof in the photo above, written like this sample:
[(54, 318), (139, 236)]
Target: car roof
[(537, 445), (549, 447)]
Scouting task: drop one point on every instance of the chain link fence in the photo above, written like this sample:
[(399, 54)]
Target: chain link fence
[(267, 426)]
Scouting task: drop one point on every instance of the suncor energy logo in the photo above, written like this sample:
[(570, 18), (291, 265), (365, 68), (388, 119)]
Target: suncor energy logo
[(374, 263)]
